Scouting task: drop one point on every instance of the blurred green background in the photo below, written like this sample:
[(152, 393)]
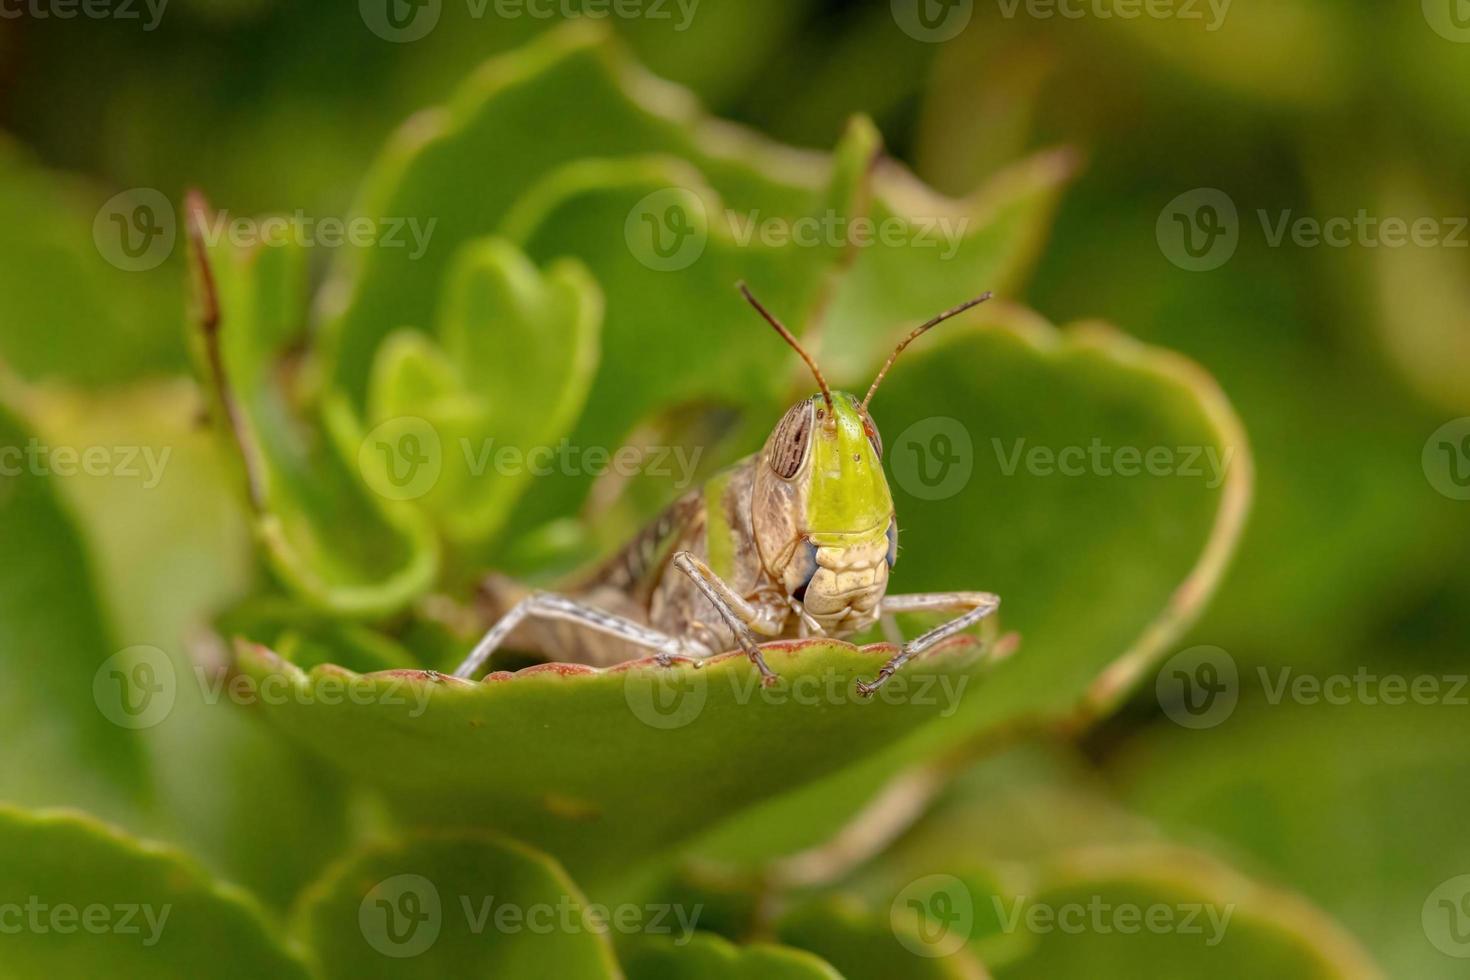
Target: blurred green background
[(1348, 361)]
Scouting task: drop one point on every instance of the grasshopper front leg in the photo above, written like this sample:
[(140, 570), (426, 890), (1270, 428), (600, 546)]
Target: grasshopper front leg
[(977, 606), (548, 605), (743, 619)]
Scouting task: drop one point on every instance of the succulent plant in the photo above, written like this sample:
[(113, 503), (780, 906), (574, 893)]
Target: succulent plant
[(287, 715)]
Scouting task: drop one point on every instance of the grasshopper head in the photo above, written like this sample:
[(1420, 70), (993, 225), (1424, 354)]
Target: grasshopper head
[(821, 508), (820, 488)]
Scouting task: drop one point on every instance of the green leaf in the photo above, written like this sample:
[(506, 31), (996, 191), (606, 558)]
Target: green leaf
[(434, 169), (1340, 507), (328, 535), (1131, 550), (929, 254), (453, 906), (671, 320), (515, 356), (595, 767), (97, 903), (708, 957), (72, 304), (1210, 922), (171, 545), (1098, 572), (308, 637), (1247, 53), (673, 335), (867, 946), (1029, 864), (941, 253), (57, 650), (1358, 806), (1424, 319)]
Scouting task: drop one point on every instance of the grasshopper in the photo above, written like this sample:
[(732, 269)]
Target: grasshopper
[(796, 540)]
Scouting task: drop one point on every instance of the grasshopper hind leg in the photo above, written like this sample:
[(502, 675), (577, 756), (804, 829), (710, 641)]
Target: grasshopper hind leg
[(550, 606)]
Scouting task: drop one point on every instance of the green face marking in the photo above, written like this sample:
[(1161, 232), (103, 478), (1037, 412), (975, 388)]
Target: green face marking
[(848, 501)]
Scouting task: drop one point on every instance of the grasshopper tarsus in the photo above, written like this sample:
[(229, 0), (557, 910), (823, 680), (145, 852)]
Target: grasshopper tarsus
[(769, 677)]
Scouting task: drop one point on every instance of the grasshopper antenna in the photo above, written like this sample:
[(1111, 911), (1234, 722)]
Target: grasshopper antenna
[(919, 332), (795, 344)]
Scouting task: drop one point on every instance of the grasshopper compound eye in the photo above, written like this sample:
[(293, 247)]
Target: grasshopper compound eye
[(792, 441)]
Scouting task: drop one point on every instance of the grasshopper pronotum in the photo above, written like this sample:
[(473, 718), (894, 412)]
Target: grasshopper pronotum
[(796, 540)]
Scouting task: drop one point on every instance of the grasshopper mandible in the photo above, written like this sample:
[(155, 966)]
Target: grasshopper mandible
[(794, 541)]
